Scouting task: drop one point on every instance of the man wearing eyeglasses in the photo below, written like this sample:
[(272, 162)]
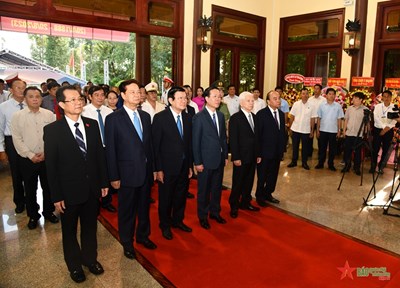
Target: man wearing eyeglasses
[(77, 176)]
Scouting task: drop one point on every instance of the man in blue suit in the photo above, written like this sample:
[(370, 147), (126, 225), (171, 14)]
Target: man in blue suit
[(130, 166), (271, 128), (210, 154), (172, 139)]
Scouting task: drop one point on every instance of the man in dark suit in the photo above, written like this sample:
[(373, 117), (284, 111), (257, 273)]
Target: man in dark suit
[(244, 154), (130, 167), (77, 176), (271, 127), (172, 140), (210, 154)]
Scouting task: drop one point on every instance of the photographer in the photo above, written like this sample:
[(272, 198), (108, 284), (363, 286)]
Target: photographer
[(386, 116), (356, 116)]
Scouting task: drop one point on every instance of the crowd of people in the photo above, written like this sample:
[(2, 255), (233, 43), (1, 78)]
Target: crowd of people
[(85, 145)]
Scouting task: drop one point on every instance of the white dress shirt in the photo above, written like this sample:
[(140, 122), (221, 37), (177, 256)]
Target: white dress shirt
[(90, 111), (147, 107), (7, 110), (233, 103), (216, 117), (81, 127)]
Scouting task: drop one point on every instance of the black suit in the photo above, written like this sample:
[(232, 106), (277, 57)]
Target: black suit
[(130, 160), (173, 156), (244, 147), (190, 110), (76, 181), (210, 150), (272, 147)]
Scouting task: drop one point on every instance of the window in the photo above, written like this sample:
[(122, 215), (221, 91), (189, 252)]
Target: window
[(238, 49), (311, 48), (236, 28), (161, 14), (315, 30)]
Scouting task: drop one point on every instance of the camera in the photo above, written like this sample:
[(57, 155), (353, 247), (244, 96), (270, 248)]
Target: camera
[(394, 114)]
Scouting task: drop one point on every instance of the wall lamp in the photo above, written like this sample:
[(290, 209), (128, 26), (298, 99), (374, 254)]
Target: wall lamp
[(204, 33), (352, 38)]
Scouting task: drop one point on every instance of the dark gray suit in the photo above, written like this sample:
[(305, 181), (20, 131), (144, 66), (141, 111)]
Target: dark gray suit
[(210, 150)]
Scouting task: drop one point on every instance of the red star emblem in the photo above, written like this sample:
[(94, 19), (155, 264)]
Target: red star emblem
[(346, 271)]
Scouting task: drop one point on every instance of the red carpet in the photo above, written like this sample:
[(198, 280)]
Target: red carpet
[(259, 249)]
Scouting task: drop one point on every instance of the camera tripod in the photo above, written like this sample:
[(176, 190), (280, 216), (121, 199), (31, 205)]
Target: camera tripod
[(393, 194), (394, 146), (359, 143)]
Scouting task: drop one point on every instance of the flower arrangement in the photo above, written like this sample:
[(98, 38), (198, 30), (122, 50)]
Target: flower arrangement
[(291, 95)]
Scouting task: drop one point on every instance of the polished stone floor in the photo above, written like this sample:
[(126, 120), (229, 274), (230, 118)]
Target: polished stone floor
[(34, 258)]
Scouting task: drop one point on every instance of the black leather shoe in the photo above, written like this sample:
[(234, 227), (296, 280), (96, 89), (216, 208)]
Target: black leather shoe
[(345, 169), (52, 218), (273, 200), (380, 171), (78, 276), (204, 223), (218, 218), (251, 208), (234, 213), (130, 253), (96, 268), (305, 166), (292, 164), (261, 203), (357, 171), (32, 224), (182, 226), (189, 195), (148, 244), (20, 208), (167, 234), (332, 168), (110, 208), (319, 166)]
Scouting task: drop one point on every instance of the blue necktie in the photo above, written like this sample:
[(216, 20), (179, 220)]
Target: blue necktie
[(179, 125), (21, 106), (101, 124), (215, 122), (136, 123), (79, 139)]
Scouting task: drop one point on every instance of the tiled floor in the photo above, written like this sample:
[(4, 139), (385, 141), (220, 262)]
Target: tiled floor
[(35, 259)]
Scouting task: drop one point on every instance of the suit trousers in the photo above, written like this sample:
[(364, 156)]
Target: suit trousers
[(31, 172), (352, 143), (172, 198), (209, 191), (14, 159), (133, 202), (326, 139), (305, 140), (267, 176), (377, 141), (242, 183), (75, 256)]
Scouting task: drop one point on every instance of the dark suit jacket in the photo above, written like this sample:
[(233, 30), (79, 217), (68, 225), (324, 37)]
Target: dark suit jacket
[(72, 178), (128, 158), (271, 139), (190, 110), (242, 140), (170, 150), (208, 147)]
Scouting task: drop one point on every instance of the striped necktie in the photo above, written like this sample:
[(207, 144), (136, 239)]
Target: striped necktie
[(79, 140)]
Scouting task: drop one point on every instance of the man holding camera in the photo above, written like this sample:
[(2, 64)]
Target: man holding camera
[(356, 117), (386, 116)]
